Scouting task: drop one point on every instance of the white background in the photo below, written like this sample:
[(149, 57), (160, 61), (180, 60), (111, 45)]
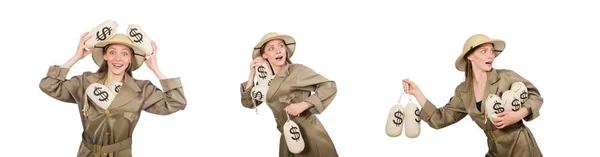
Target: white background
[(367, 48)]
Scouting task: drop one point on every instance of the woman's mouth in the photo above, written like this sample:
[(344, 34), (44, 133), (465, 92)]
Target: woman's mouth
[(117, 65), (279, 58)]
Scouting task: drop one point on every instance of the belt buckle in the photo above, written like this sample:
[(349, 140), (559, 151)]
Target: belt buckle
[(97, 149), (491, 134)]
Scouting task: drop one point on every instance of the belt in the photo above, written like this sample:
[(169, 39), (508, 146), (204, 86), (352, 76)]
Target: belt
[(105, 149), (495, 133)]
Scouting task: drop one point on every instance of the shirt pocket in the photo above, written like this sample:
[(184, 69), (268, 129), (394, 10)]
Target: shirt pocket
[(131, 116)]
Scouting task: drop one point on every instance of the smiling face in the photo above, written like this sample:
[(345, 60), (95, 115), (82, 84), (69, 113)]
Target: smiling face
[(275, 52), (118, 57), (482, 57)]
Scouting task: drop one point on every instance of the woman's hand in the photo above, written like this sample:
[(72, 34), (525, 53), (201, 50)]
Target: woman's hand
[(509, 118), (412, 89), (256, 62), (151, 62), (297, 108), (82, 50)]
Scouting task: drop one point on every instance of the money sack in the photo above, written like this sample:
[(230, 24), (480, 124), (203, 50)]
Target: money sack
[(413, 120), (511, 101), (520, 89), (103, 31), (395, 121), (293, 136), (493, 106), (102, 95), (263, 78), (139, 36)]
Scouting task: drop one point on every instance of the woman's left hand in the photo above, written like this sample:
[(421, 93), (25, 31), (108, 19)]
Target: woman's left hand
[(151, 62), (297, 108), (509, 118)]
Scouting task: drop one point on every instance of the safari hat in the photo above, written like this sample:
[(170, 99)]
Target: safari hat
[(290, 43), (472, 43)]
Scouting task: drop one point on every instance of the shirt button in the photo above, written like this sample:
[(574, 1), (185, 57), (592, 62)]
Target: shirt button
[(107, 112), (107, 133)]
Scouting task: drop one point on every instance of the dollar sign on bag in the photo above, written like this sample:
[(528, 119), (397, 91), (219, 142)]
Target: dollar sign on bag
[(498, 107), (294, 131), (418, 113), (516, 105), (257, 95), (118, 88), (523, 95), (138, 36), (262, 73), (103, 95), (398, 116), (106, 31)]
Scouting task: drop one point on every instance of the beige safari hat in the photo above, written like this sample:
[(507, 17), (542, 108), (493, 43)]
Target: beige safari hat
[(473, 42), (289, 42), (139, 55)]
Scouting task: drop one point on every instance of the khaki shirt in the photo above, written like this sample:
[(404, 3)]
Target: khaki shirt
[(514, 140), (293, 84), (116, 124)]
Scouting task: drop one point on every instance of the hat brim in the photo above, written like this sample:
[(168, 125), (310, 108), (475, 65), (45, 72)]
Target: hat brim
[(499, 46), (289, 41), (98, 54)]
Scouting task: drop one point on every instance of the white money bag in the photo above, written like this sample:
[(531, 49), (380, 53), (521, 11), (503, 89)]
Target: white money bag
[(139, 36), (396, 118), (293, 136), (101, 95), (413, 120), (395, 121), (521, 90), (493, 106), (103, 31), (263, 78), (511, 101)]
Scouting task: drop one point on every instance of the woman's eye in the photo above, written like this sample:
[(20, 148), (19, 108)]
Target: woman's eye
[(124, 54), (112, 52), (280, 46), (270, 48)]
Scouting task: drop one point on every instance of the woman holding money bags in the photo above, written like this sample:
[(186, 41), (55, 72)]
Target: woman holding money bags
[(501, 123), (288, 94), (110, 100)]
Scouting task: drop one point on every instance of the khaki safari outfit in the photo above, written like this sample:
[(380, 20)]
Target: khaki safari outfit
[(108, 132), (293, 84), (515, 140)]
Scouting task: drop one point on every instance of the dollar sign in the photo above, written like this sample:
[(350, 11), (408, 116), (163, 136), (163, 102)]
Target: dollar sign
[(138, 36), (498, 108), (262, 73), (516, 105), (257, 95), (523, 95), (118, 88), (398, 116), (106, 31), (418, 113), (103, 95), (294, 131)]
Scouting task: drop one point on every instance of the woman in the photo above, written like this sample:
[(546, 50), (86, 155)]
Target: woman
[(107, 131), (290, 93), (507, 135)]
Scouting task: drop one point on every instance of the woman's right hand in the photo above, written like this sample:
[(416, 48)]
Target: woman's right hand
[(82, 49), (412, 89), (256, 62)]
